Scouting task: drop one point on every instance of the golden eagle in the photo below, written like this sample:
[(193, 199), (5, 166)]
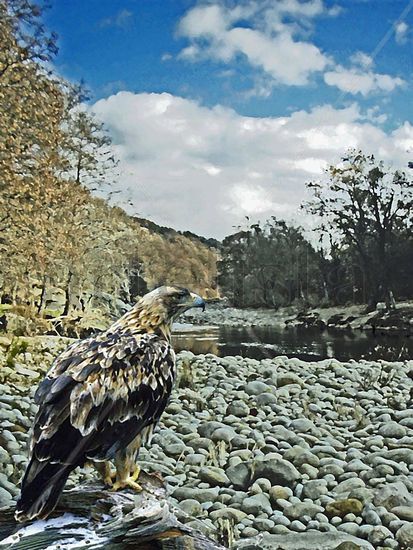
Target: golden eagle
[(101, 400)]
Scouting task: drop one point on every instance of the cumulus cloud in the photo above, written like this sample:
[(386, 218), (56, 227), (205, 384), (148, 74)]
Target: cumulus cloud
[(272, 38), (360, 77), (205, 169), (362, 60), (259, 33), (357, 81)]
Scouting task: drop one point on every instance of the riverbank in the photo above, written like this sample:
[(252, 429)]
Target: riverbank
[(351, 317), (262, 453)]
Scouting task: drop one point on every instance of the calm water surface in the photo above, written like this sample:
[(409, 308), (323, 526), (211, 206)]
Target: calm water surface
[(307, 344)]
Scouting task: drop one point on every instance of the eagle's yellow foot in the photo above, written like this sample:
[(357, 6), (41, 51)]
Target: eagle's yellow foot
[(136, 472), (107, 474), (129, 482), (109, 480)]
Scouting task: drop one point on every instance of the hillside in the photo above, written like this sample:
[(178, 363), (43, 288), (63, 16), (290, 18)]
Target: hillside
[(168, 231), (172, 257), (80, 267)]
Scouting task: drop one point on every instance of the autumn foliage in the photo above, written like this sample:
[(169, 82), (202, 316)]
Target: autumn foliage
[(60, 246)]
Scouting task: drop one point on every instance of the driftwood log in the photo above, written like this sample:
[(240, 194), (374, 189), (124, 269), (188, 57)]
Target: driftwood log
[(92, 517)]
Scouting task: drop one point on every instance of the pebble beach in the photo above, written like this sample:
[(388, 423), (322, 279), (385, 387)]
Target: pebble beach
[(277, 454)]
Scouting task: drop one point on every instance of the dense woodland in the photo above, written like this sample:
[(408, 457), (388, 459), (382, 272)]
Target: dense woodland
[(364, 253), (62, 250)]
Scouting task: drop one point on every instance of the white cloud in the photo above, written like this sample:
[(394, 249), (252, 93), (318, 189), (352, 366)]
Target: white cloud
[(269, 37), (258, 33), (360, 78), (358, 81), (401, 31), (204, 169), (250, 199)]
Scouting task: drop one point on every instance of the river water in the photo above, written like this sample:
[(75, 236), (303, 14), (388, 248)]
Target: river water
[(306, 344)]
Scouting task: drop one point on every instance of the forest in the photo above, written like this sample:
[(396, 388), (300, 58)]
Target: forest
[(364, 251), (63, 251)]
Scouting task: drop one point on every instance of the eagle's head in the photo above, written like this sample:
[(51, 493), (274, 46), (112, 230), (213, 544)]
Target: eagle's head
[(156, 311), (170, 301)]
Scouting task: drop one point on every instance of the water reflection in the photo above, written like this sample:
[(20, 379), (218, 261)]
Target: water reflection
[(307, 344)]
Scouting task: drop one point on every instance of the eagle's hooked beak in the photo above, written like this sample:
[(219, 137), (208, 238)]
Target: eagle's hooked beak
[(197, 301)]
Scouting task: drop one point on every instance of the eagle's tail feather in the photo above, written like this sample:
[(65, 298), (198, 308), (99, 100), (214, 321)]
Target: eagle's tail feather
[(41, 488)]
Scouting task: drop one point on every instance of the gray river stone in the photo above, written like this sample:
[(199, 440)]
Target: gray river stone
[(405, 535), (300, 509), (257, 504), (256, 387), (202, 495), (240, 475), (213, 476), (392, 495), (277, 471), (403, 512), (392, 430), (315, 488), (238, 408)]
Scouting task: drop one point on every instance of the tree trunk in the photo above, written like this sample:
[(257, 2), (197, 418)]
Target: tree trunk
[(67, 294), (78, 168), (42, 296)]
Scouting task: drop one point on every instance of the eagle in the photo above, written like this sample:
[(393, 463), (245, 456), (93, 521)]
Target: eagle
[(101, 400)]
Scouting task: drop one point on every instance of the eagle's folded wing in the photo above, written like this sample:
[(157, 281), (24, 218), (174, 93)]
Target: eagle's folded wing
[(99, 394)]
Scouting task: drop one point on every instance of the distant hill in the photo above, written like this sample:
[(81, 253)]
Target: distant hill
[(163, 230), (168, 256)]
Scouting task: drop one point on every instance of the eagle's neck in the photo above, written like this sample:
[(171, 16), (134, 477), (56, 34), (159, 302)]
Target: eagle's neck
[(149, 320)]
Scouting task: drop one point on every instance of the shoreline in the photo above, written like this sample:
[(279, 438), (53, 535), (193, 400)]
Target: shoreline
[(353, 318)]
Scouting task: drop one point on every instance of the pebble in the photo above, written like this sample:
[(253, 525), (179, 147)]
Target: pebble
[(300, 509), (239, 475), (277, 471), (213, 476), (343, 507), (403, 512), (257, 504)]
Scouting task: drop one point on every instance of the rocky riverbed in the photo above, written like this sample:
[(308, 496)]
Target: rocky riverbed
[(271, 454)]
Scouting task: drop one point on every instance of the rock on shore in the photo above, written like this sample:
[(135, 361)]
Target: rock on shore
[(262, 454)]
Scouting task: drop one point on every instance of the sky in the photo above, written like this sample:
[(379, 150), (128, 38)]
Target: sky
[(221, 110)]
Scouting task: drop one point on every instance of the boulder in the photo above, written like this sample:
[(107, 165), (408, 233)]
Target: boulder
[(277, 470)]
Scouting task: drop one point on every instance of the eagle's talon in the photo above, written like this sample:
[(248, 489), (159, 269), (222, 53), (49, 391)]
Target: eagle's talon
[(136, 472), (106, 473), (109, 481), (128, 483)]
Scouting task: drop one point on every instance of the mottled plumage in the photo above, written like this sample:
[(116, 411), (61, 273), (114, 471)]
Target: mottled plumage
[(101, 400)]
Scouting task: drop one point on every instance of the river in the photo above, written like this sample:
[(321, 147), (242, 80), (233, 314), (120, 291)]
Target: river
[(306, 344)]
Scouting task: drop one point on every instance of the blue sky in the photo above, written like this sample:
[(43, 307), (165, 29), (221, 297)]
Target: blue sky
[(238, 103)]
